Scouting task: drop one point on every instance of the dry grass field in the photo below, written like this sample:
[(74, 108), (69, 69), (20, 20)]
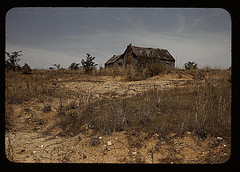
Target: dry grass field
[(116, 116)]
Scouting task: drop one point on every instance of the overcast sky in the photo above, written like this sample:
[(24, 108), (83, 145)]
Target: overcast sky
[(64, 35)]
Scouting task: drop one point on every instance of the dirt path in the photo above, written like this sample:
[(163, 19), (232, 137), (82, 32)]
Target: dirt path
[(115, 87)]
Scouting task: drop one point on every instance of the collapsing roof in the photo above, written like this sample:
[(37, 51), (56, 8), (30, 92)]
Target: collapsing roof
[(152, 52), (113, 59)]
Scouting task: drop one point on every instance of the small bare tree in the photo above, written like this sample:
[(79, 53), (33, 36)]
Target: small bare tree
[(89, 64), (11, 60)]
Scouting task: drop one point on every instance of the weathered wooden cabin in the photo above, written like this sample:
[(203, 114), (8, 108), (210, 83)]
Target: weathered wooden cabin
[(115, 61), (131, 55)]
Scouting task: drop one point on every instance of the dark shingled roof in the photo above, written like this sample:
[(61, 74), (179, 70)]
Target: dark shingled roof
[(153, 52)]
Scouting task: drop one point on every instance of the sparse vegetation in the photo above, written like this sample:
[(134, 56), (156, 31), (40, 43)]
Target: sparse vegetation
[(26, 69), (201, 105), (203, 110), (190, 65), (74, 66)]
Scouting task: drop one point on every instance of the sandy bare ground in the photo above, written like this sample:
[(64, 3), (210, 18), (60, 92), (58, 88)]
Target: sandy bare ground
[(114, 87), (120, 147)]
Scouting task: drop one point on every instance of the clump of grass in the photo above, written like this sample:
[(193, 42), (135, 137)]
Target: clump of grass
[(71, 105), (212, 109), (69, 123), (120, 112), (46, 108), (95, 141)]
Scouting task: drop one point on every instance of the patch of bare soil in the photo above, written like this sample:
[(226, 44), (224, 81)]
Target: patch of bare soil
[(120, 147), (114, 87)]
